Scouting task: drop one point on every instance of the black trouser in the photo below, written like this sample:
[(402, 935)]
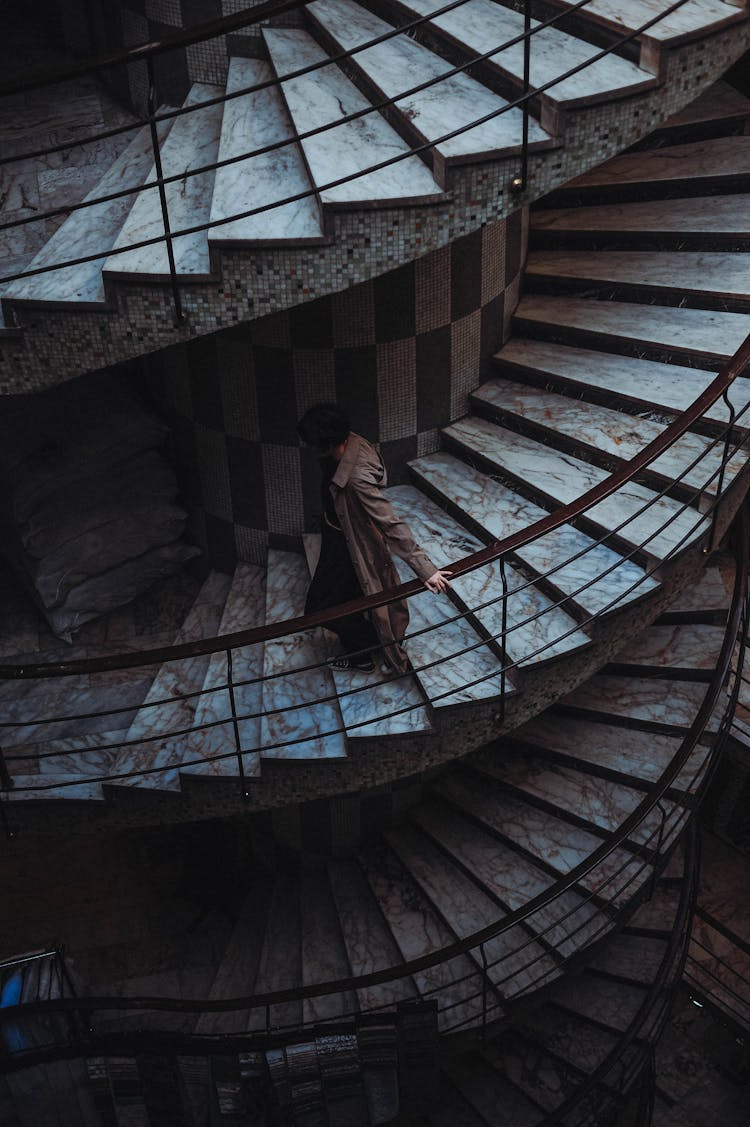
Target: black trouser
[(335, 581)]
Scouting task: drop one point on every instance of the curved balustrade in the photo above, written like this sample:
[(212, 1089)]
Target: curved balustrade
[(265, 11), (610, 887)]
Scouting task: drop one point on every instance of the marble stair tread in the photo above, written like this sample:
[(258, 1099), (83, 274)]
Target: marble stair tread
[(602, 804), (693, 460), (508, 873), (690, 20), (695, 215), (569, 1037), (451, 103), (660, 525), (89, 230), (325, 95), (718, 103), (608, 1004), (656, 915), (369, 943), (516, 962), (599, 579), (323, 951), (714, 274), (280, 962), (308, 722), (244, 609), (635, 958), (628, 379), (477, 24), (677, 648), (659, 701), (193, 141), (630, 753), (471, 675), (551, 633), (173, 679), (30, 788), (705, 334), (545, 1079), (372, 704), (456, 984), (251, 122), (490, 1093), (710, 592), (709, 160), (556, 840)]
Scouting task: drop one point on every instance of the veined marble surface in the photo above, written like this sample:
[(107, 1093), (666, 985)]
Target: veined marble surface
[(244, 609), (690, 17), (516, 961), (635, 957), (192, 142), (479, 24), (325, 96), (418, 930), (646, 699), (280, 961), (552, 633), (88, 231), (24, 789), (687, 646), (567, 923), (569, 1038), (251, 122), (599, 579), (603, 1001), (704, 332), (645, 382), (716, 273), (709, 215), (563, 478), (692, 459), (308, 730), (369, 943), (400, 63), (323, 951), (720, 156)]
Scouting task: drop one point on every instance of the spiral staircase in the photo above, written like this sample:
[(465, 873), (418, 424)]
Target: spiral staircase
[(531, 905)]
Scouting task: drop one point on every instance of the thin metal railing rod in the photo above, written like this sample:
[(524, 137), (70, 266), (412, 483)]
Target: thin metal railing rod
[(236, 730), (168, 239), (386, 163)]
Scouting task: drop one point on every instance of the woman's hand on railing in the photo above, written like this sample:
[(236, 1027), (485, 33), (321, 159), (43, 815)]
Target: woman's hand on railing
[(438, 582)]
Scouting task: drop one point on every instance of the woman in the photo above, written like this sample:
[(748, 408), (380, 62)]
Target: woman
[(360, 530)]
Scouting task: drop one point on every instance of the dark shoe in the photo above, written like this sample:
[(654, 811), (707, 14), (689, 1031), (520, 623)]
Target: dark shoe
[(362, 663)]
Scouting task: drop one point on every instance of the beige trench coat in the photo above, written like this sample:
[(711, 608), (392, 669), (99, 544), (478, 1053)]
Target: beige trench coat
[(373, 530)]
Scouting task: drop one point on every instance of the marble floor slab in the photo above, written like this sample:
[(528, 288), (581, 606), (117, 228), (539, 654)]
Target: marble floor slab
[(668, 387), (597, 578), (251, 122), (307, 722), (657, 701), (685, 647), (704, 333), (537, 630), (636, 514), (687, 20), (325, 96)]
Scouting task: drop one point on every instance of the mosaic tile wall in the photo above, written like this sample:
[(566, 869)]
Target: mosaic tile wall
[(400, 354)]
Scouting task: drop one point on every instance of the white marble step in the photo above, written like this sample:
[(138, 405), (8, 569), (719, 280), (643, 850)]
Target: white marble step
[(629, 752), (451, 103), (686, 648), (529, 638), (689, 21), (251, 122), (661, 528), (635, 957), (599, 580), (515, 960), (280, 963), (308, 723), (372, 704), (704, 333), (613, 433), (648, 700), (611, 1004), (480, 24), (417, 929), (370, 946), (709, 160), (193, 141), (325, 96), (489, 1092), (30, 788), (704, 273), (553, 841), (173, 679), (244, 609), (696, 215), (511, 877), (323, 951), (91, 230), (642, 383), (712, 590)]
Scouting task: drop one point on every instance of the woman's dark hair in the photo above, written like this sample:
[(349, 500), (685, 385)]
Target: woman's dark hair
[(323, 426)]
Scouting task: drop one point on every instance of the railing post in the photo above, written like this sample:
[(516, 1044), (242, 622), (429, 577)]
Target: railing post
[(504, 622), (236, 728), (518, 183), (179, 314), (710, 545)]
